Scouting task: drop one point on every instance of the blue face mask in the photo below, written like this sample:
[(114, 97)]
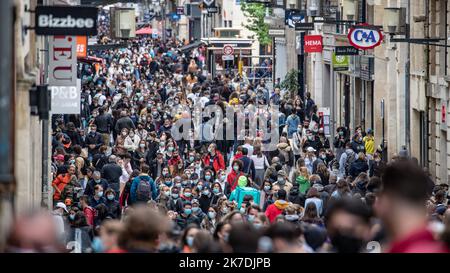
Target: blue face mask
[(168, 183), (188, 194), (110, 197), (200, 187), (174, 195), (187, 211), (97, 245), (251, 218), (190, 241), (267, 188), (100, 194), (211, 214), (207, 177), (195, 209), (72, 217), (206, 192), (216, 191)]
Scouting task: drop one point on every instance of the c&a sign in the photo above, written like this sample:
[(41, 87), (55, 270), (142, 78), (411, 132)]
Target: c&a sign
[(365, 38)]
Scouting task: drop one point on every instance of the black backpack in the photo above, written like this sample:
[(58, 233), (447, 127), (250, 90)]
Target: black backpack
[(348, 163), (143, 190)]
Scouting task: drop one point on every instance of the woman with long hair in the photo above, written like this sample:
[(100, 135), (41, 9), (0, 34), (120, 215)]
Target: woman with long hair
[(324, 173)]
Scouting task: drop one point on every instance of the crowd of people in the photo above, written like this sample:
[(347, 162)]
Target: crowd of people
[(123, 183)]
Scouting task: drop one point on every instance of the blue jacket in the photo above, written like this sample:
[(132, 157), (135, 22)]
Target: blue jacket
[(135, 184), (292, 123)]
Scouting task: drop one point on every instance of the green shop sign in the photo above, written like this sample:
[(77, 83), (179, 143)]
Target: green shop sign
[(340, 63)]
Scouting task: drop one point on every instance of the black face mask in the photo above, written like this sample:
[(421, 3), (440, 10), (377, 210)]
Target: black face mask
[(346, 243)]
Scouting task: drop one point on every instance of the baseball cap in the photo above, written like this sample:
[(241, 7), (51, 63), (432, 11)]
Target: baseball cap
[(62, 205), (311, 150), (281, 173)]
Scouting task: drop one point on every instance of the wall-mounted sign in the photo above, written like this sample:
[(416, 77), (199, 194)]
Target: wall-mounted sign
[(346, 51), (212, 9), (313, 43), (276, 32), (81, 46), (444, 115), (62, 75), (294, 16), (304, 26), (66, 20), (365, 38), (340, 63)]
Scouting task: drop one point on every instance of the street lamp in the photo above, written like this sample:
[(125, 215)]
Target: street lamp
[(349, 9), (391, 20)]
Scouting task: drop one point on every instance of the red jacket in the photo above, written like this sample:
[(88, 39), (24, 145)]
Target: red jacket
[(218, 162), (276, 209), (232, 180), (421, 241), (90, 214)]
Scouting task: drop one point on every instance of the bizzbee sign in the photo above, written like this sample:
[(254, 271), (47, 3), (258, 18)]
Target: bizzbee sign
[(66, 20), (365, 38)]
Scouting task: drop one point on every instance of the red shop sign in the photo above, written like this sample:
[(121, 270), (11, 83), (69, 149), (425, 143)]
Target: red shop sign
[(313, 43)]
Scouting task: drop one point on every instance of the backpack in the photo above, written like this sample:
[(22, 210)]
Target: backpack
[(242, 192), (143, 190), (348, 163)]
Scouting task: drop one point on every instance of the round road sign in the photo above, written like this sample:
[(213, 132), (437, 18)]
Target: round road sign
[(228, 50)]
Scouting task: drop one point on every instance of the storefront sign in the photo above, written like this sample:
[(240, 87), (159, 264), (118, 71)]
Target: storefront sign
[(444, 115), (294, 16), (340, 63), (228, 50), (304, 26), (313, 43), (180, 10), (66, 99), (346, 51), (81, 46), (365, 38), (62, 75), (276, 32), (66, 20)]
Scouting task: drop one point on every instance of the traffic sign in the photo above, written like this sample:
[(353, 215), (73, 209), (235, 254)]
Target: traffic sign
[(227, 57), (228, 49)]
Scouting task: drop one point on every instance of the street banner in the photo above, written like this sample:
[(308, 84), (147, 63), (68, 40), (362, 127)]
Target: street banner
[(294, 16), (66, 20), (313, 43)]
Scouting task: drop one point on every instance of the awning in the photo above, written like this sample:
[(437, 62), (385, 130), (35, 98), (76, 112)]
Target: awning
[(144, 31), (191, 46)]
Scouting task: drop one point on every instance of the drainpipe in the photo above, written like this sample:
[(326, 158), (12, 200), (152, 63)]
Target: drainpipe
[(407, 82)]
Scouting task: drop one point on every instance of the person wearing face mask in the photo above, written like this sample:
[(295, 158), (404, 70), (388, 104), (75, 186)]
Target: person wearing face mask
[(358, 145), (93, 141), (98, 197), (139, 154), (311, 140), (339, 141), (186, 217), (217, 194), (197, 210), (158, 167), (132, 142), (204, 198), (119, 147), (175, 202), (233, 176), (112, 205), (283, 182), (210, 221), (214, 158), (164, 195), (187, 194)]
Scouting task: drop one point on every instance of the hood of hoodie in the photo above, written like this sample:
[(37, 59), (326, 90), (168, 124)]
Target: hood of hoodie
[(281, 204)]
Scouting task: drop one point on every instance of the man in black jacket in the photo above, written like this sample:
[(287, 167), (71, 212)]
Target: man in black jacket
[(112, 172), (104, 124), (248, 164), (96, 180), (124, 122), (93, 141), (157, 165), (112, 205)]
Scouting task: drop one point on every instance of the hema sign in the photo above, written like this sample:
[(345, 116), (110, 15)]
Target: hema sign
[(66, 20)]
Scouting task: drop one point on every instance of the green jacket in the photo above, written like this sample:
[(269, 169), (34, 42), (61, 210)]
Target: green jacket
[(303, 183)]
